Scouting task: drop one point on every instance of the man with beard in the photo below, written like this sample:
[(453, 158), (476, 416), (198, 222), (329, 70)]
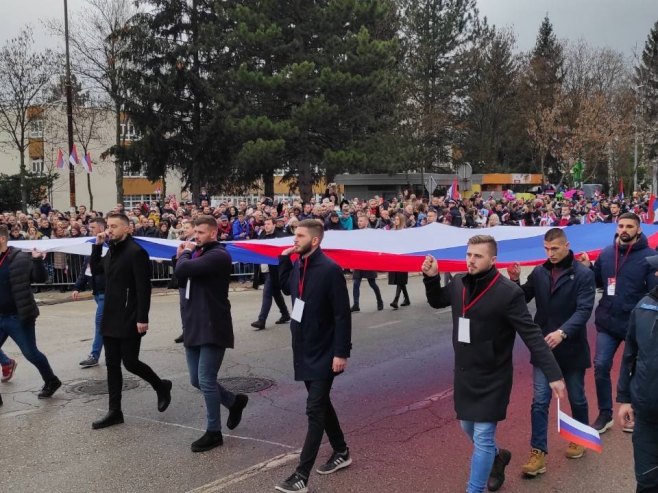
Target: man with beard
[(625, 276), (488, 310), (321, 330), (127, 271)]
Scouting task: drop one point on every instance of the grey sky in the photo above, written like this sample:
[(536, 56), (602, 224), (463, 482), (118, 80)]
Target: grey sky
[(619, 24)]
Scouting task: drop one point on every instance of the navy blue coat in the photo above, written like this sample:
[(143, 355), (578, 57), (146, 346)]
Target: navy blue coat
[(567, 307), (326, 328), (207, 313), (634, 279)]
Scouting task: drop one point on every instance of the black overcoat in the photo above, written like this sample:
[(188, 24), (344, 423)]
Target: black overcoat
[(483, 368), (23, 271), (325, 331), (127, 270)]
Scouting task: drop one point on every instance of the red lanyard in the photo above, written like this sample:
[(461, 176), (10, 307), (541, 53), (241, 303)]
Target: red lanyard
[(301, 279), (2, 261), (465, 307), (628, 253)]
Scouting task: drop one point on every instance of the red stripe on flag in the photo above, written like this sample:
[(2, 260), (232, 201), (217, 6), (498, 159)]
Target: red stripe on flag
[(580, 441)]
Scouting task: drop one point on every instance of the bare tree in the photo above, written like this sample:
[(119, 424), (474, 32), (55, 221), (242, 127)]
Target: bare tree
[(24, 74)]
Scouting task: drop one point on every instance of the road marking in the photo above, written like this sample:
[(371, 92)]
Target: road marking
[(385, 324), (422, 404), (177, 425), (247, 473)]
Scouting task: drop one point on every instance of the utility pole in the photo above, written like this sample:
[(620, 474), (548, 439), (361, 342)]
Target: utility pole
[(69, 106)]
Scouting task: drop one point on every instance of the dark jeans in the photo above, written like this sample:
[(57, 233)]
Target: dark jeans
[(356, 290), (575, 383), (321, 418), (606, 347), (645, 452), (127, 351), (23, 334), (269, 293)]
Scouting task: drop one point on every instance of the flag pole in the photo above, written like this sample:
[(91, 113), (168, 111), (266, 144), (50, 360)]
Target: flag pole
[(69, 106)]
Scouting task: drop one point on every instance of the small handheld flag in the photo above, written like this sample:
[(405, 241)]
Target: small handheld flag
[(577, 432), (60, 159), (73, 158)]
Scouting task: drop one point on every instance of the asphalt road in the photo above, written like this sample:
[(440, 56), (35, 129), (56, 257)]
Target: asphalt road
[(394, 402)]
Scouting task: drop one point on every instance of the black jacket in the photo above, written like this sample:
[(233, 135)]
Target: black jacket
[(273, 269), (127, 270), (326, 328), (96, 282), (23, 271), (483, 368), (207, 313), (567, 307), (638, 377)]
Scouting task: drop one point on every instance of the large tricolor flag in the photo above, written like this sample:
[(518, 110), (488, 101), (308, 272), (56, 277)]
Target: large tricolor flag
[(73, 158), (86, 162), (577, 432)]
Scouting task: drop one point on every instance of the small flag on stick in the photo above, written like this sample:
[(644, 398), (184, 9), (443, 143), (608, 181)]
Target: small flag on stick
[(577, 432)]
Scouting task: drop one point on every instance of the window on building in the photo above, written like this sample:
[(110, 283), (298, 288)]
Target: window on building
[(130, 201), (36, 129), (37, 166), (128, 132), (130, 171)]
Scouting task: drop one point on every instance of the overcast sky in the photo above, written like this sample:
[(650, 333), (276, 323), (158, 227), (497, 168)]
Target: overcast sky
[(619, 24)]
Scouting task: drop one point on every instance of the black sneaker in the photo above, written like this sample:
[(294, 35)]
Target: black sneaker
[(355, 308), (283, 320), (497, 474), (296, 483), (235, 412), (405, 303), (338, 460), (49, 388), (89, 362), (602, 423), (208, 441), (258, 324)]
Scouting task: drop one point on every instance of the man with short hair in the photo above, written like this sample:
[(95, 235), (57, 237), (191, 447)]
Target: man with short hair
[(615, 213), (18, 309), (488, 310), (321, 330), (564, 291), (204, 268), (97, 282), (625, 276), (127, 271)]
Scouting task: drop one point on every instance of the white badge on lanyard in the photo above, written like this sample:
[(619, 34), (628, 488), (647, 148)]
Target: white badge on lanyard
[(464, 330), (612, 284), (88, 271), (297, 310), (187, 288)]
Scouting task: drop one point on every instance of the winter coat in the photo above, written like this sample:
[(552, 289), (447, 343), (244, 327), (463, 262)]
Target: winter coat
[(634, 280), (567, 307), (207, 312), (398, 278), (638, 377), (483, 367), (364, 274), (325, 331), (127, 271), (23, 271), (273, 269)]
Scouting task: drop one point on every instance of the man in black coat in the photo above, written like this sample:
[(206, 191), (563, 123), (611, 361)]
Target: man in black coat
[(203, 270), (321, 330), (271, 285), (127, 271), (564, 292), (488, 310)]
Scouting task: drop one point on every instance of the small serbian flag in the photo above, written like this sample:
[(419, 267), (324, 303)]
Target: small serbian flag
[(576, 432), (73, 158), (60, 159), (86, 162)]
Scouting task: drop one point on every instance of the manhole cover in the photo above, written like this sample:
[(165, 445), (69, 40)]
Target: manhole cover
[(99, 387), (245, 385)]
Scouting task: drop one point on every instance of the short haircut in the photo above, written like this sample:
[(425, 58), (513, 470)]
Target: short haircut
[(4, 231), (485, 239), (98, 220), (120, 216), (314, 226), (630, 215), (268, 218), (209, 221), (555, 234)]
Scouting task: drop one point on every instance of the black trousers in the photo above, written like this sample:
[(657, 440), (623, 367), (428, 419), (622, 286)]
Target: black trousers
[(321, 418), (119, 350), (645, 452), (400, 289)]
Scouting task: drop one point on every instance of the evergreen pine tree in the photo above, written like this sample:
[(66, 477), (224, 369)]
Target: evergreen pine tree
[(646, 80)]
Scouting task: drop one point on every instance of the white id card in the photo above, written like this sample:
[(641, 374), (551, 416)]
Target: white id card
[(612, 284), (464, 330), (297, 311), (187, 289), (88, 271)]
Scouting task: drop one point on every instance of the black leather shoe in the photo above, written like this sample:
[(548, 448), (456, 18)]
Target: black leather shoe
[(111, 418), (235, 411), (283, 320), (394, 305), (179, 339), (405, 303), (258, 324), (164, 395), (208, 441), (497, 474), (380, 306), (355, 308), (49, 388)]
